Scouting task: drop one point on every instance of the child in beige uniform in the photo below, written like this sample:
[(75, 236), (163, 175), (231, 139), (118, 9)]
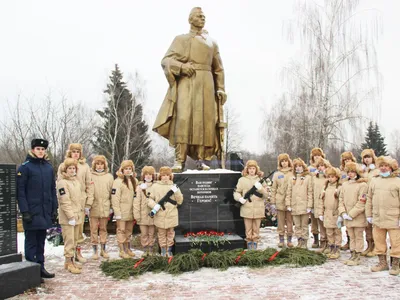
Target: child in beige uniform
[(383, 211), (70, 212), (368, 159), (280, 183), (98, 205), (165, 220), (329, 202), (251, 211), (315, 155), (345, 157), (123, 192), (318, 182), (141, 210), (299, 200), (352, 201), (83, 175)]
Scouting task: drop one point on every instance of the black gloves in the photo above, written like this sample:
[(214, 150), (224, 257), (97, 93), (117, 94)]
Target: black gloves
[(54, 218), (27, 217)]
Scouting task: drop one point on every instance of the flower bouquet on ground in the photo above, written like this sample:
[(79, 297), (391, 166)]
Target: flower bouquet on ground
[(208, 238), (270, 214), (54, 236)]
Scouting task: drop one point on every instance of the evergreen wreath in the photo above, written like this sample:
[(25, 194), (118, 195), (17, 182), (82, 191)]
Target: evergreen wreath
[(222, 260)]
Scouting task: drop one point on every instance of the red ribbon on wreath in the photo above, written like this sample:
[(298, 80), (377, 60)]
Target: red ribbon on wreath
[(138, 263), (204, 256), (239, 256), (273, 256)]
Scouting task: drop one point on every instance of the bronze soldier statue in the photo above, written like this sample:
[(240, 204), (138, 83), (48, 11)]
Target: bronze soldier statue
[(191, 116)]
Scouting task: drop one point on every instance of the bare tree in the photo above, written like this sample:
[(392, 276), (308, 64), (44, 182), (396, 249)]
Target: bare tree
[(163, 154), (395, 144), (328, 91), (233, 133), (60, 122)]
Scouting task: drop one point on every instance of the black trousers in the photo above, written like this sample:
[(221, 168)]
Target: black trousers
[(34, 246)]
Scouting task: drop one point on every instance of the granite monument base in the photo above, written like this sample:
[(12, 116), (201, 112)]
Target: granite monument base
[(10, 258), (208, 204), (17, 277)]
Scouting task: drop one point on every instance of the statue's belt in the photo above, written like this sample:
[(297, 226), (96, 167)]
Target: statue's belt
[(201, 67)]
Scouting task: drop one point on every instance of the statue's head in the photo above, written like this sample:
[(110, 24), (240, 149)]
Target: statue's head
[(197, 17)]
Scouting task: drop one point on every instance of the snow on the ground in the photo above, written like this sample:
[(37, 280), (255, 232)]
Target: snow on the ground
[(269, 239), (212, 171), (56, 253), (50, 251), (332, 280)]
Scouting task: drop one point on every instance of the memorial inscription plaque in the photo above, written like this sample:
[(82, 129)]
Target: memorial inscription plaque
[(208, 203), (8, 210), (15, 276)]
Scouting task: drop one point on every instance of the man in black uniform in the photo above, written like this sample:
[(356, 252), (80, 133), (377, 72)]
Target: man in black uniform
[(37, 201)]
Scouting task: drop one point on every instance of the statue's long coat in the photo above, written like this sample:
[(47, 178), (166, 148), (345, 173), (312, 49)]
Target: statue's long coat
[(189, 113)]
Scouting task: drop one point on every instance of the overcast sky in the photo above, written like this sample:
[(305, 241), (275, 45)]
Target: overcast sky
[(70, 48)]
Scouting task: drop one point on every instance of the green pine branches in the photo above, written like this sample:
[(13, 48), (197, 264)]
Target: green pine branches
[(222, 260)]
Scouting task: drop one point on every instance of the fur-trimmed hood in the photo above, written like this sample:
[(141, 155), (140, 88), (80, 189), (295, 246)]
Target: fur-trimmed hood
[(32, 155), (124, 164), (65, 175), (75, 146), (252, 163), (165, 171), (100, 158), (370, 153), (148, 170), (284, 156), (344, 156), (324, 162), (299, 162), (333, 171), (362, 179), (316, 151), (394, 165), (353, 167)]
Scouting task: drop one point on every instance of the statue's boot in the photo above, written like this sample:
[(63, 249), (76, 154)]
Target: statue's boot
[(202, 166), (178, 167)]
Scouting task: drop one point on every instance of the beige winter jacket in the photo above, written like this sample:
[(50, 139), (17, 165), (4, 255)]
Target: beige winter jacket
[(330, 205), (280, 183), (318, 183), (351, 201), (83, 175), (383, 202), (99, 196), (167, 218), (141, 208), (371, 174), (343, 176), (300, 194), (69, 199), (256, 208), (122, 199)]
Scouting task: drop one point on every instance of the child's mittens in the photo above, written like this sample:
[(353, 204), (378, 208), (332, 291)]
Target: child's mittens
[(258, 185)]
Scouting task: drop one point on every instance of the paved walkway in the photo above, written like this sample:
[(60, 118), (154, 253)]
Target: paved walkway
[(332, 280)]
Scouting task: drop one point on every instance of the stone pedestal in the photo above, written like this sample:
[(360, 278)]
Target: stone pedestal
[(208, 205), (15, 276)]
